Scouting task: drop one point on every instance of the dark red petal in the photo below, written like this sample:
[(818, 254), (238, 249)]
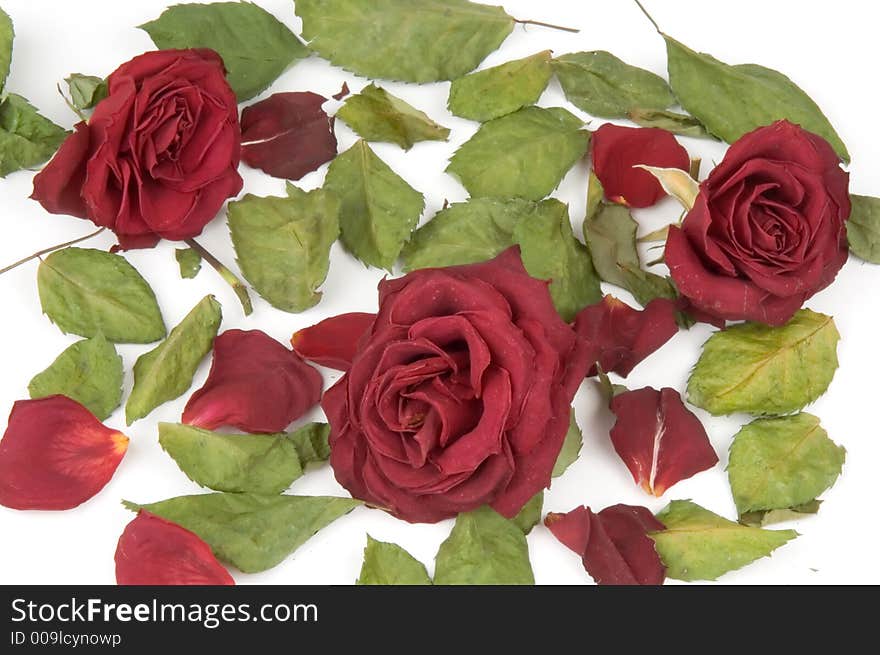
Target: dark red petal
[(153, 551), (572, 529), (334, 341), (56, 454), (58, 187)]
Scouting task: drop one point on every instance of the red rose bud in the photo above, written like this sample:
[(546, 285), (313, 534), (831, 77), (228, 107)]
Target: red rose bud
[(153, 551), (625, 336), (287, 135), (614, 544), (659, 439), (255, 384), (56, 455), (334, 341), (617, 150)]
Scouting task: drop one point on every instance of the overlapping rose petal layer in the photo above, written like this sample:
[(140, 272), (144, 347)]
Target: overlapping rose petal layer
[(334, 341)]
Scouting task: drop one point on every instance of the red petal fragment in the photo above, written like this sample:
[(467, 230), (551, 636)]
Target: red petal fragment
[(287, 135), (255, 384), (625, 336), (57, 187), (572, 529), (153, 551), (56, 454), (616, 150), (334, 341), (344, 91), (659, 439)]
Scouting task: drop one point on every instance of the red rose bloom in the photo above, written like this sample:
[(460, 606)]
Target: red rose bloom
[(458, 395), (767, 231), (159, 155)]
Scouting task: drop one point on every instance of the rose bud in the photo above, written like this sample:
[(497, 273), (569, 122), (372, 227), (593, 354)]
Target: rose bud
[(153, 551), (255, 384), (617, 150), (767, 230), (56, 454), (334, 341)]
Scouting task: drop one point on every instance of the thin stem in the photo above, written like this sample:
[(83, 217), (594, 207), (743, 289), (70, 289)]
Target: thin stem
[(237, 285), (550, 25), (46, 251), (70, 104), (650, 18)]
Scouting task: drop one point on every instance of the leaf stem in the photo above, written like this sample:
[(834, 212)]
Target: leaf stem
[(650, 18), (46, 251), (549, 25), (70, 104), (237, 285)]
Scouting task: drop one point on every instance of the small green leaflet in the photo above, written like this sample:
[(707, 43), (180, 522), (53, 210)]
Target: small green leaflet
[(603, 85), (167, 371), (425, 41), (571, 447), (27, 138), (863, 228), (484, 548), (190, 262), (670, 121), (255, 46), (250, 531), (501, 90), (379, 209), (761, 370), (781, 463), (283, 244), (86, 91), (700, 545), (376, 115), (733, 100), (389, 564), (90, 292), (763, 518), (239, 463), (89, 372), (530, 515), (522, 155), (7, 35)]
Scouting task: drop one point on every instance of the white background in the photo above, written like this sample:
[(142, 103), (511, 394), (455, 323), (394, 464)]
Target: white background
[(831, 51)]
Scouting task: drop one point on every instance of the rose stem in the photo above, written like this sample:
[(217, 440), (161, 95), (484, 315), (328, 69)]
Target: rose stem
[(653, 22), (237, 285), (550, 25), (45, 251)]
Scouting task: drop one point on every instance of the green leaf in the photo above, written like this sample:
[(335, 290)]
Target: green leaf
[(425, 41), (762, 518), (670, 121), (255, 46), (700, 545), (90, 292), (501, 90), (760, 369), (312, 443), (377, 115), (249, 531), (603, 85), (86, 91), (167, 371), (530, 515), (863, 228), (190, 262), (733, 100), (780, 463), (379, 209), (522, 155), (283, 244), (389, 564), (7, 35), (571, 447), (89, 371), (27, 138), (484, 548)]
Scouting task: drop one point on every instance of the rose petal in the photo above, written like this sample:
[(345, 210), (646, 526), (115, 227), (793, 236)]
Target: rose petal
[(58, 186), (334, 341)]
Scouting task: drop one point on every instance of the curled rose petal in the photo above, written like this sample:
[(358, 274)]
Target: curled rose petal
[(334, 341), (56, 455), (153, 551), (255, 384), (659, 439)]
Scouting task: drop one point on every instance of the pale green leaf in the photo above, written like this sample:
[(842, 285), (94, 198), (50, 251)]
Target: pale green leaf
[(530, 515), (27, 138), (86, 91), (571, 447), (189, 260), (863, 228), (763, 518), (389, 564), (7, 35), (670, 121)]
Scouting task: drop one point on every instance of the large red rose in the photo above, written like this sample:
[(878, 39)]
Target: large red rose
[(767, 231), (458, 395), (159, 155)]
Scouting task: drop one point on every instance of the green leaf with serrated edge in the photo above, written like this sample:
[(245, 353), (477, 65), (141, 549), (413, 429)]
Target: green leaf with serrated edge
[(190, 262), (603, 85), (86, 91), (733, 100), (762, 370), (283, 244), (27, 138), (312, 442), (571, 447), (522, 155), (763, 518), (90, 292), (425, 41), (484, 548), (784, 462), (530, 515), (700, 545), (255, 46), (389, 564), (252, 532), (89, 372), (671, 121), (167, 371), (863, 228), (7, 35), (376, 115), (379, 209), (551, 252), (501, 90)]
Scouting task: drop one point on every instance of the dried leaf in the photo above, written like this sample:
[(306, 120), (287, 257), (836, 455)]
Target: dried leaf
[(389, 564), (671, 121), (863, 228), (571, 447), (190, 262), (27, 138)]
